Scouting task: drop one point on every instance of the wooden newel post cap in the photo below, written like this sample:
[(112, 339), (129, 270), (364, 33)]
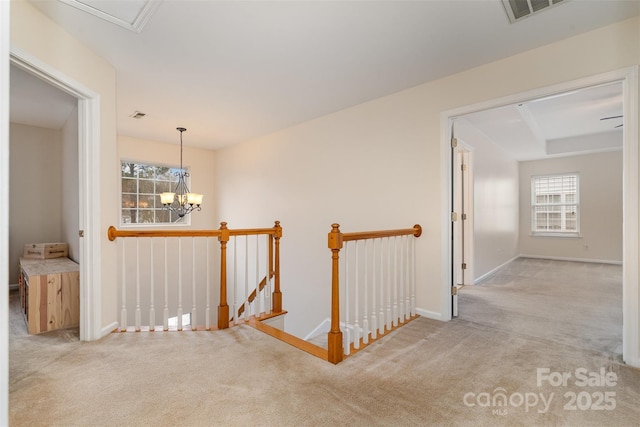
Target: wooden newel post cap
[(278, 229), (335, 237), (224, 232)]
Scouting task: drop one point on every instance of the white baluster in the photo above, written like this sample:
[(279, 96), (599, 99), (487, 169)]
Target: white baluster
[(179, 283), (138, 313), (194, 317), (246, 277), (382, 287), (165, 314), (152, 311), (267, 287), (395, 281), (123, 312), (207, 320), (356, 315), (235, 280), (407, 279), (365, 320), (347, 334), (401, 284), (258, 293), (374, 266), (389, 284), (413, 276)]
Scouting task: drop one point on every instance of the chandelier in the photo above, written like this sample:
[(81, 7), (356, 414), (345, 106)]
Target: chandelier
[(181, 201)]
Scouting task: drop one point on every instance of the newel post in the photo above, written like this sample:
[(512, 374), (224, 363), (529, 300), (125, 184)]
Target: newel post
[(335, 350), (277, 295), (223, 308)]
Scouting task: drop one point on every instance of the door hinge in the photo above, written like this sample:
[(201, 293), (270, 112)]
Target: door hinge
[(454, 216), (463, 167), (454, 142), (454, 290), (81, 233), (464, 265), (463, 216)]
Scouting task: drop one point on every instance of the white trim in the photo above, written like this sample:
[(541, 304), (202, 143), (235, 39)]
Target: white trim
[(89, 187), (429, 314), (560, 258), (629, 77), (446, 271), (5, 36), (630, 307), (136, 25), (489, 273), (323, 328), (109, 329)]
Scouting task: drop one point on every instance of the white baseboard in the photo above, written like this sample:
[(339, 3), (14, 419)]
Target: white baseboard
[(323, 328), (108, 329), (485, 275), (556, 258), (633, 362), (429, 314)]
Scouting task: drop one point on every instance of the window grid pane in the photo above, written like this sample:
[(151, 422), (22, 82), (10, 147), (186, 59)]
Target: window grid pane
[(554, 204), (141, 187)]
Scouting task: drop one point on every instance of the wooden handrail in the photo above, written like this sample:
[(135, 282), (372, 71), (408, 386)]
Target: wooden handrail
[(114, 233), (223, 234), (363, 235), (336, 241)]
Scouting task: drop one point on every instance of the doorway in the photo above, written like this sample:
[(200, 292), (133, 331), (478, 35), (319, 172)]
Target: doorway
[(88, 170), (628, 79)]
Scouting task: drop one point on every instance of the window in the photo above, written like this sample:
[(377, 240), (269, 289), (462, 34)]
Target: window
[(555, 205), (141, 188)]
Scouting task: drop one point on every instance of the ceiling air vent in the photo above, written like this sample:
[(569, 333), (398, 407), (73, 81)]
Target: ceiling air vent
[(519, 9)]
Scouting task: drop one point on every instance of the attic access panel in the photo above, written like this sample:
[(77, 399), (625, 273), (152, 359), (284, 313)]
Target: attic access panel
[(131, 14), (520, 9)]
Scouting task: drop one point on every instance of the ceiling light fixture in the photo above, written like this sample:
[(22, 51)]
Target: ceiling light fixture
[(182, 202)]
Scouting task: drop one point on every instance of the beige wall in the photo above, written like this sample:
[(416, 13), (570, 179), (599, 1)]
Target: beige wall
[(378, 165), (35, 189), (600, 208), (37, 36), (495, 216)]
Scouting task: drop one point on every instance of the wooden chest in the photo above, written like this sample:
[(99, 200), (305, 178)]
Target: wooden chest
[(45, 250), (49, 293)]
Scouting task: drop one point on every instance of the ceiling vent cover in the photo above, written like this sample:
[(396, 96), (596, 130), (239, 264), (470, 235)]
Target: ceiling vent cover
[(520, 9)]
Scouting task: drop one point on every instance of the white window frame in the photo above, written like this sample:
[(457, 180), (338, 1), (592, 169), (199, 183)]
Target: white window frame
[(561, 203), (185, 221)]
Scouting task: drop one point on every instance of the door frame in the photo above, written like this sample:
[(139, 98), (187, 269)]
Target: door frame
[(630, 305), (88, 186)]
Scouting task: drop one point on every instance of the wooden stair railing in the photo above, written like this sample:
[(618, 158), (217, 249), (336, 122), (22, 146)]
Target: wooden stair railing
[(336, 240), (252, 296), (223, 234)]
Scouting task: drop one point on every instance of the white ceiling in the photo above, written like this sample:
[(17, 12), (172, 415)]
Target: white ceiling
[(36, 103), (556, 125), (230, 71)]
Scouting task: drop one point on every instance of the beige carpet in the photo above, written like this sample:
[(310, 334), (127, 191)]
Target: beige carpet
[(426, 373)]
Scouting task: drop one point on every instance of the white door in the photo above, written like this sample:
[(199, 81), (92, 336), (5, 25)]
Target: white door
[(462, 226)]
